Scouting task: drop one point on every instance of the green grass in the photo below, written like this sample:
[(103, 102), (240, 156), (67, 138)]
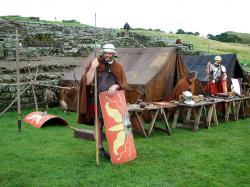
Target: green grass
[(50, 156)]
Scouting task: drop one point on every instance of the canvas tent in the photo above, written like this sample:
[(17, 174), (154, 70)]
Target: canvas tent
[(151, 73), (230, 61)]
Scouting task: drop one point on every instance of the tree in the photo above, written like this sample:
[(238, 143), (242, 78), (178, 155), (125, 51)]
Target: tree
[(180, 31), (227, 37), (197, 34), (210, 36)]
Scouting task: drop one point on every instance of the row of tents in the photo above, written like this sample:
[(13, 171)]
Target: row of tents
[(153, 72)]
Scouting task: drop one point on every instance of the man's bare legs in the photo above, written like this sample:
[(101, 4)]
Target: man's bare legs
[(102, 152)]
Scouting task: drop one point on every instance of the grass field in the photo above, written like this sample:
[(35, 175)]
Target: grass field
[(50, 156)]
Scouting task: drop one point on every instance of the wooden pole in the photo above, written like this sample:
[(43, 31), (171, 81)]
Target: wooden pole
[(209, 81), (96, 110), (19, 122), (96, 122), (33, 88), (61, 87)]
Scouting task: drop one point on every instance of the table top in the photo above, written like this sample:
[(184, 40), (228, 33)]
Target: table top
[(136, 107), (164, 104), (236, 98), (214, 100), (201, 103), (206, 101), (151, 106)]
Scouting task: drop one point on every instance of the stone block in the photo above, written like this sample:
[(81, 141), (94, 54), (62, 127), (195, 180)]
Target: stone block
[(12, 88), (1, 50), (5, 96)]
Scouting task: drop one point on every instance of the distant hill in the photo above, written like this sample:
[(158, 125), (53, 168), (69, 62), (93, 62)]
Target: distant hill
[(209, 46), (245, 37)]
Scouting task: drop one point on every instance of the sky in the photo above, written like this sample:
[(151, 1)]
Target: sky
[(203, 16)]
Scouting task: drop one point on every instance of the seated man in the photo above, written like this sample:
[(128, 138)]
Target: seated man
[(184, 84)]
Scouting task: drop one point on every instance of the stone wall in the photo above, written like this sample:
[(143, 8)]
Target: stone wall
[(47, 74), (44, 39), (8, 94)]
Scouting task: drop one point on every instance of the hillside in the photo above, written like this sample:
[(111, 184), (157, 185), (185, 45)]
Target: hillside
[(209, 46), (245, 37)]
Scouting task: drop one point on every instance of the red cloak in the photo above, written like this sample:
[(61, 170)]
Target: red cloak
[(183, 85)]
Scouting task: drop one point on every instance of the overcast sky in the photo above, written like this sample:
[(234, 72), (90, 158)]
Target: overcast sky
[(203, 16)]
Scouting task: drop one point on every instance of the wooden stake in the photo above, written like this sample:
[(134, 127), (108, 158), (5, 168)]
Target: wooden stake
[(61, 87), (19, 122), (96, 122), (33, 89), (96, 110), (15, 100)]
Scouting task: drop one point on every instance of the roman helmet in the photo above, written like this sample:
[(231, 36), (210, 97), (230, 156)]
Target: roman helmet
[(217, 60), (108, 48)]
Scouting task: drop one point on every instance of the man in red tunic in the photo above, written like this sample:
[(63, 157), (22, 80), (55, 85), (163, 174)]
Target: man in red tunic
[(110, 77), (217, 77)]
